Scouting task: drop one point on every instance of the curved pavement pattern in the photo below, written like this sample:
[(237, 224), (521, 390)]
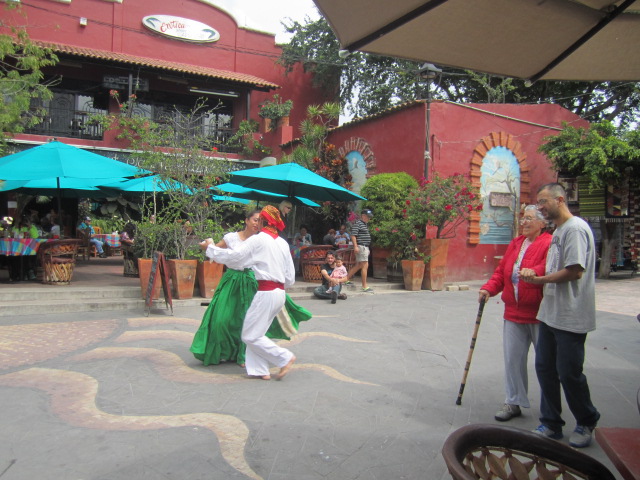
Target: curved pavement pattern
[(116, 395)]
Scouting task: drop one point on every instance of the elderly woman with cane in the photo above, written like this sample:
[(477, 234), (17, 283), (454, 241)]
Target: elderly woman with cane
[(521, 302)]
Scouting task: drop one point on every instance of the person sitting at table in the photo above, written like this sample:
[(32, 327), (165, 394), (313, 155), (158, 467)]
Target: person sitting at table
[(342, 237), (301, 239), (23, 267), (85, 229), (329, 238), (54, 231), (128, 234)]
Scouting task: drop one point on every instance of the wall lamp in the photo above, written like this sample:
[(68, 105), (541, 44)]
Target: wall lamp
[(215, 92)]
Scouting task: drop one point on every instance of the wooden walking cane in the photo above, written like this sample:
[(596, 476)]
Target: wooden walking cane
[(473, 345)]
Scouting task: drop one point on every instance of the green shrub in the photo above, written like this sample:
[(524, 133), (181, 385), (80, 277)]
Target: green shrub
[(386, 195)]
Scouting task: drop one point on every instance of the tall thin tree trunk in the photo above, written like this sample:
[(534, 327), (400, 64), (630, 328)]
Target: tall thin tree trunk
[(608, 235)]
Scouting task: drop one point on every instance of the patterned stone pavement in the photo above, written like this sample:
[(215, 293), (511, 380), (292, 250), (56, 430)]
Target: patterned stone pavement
[(116, 395)]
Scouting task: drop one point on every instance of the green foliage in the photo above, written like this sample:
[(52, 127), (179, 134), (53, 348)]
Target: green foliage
[(275, 109), (602, 153), (108, 225), (243, 138), (367, 84), (174, 148), (386, 194), (22, 82), (314, 130), (313, 152), (443, 202), (150, 237)]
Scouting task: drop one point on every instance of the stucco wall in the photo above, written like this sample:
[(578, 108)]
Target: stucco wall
[(117, 27), (398, 138)]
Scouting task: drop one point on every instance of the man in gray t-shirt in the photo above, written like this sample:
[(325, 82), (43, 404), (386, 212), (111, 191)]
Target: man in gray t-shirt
[(566, 314), (571, 305)]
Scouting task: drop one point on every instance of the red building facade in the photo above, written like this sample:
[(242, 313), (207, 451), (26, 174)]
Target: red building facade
[(472, 139), (166, 53)]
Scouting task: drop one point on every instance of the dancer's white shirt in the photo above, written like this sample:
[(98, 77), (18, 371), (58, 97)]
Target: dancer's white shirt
[(269, 258)]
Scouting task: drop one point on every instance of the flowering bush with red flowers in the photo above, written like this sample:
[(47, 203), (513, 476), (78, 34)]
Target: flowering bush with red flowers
[(442, 202), (330, 165)]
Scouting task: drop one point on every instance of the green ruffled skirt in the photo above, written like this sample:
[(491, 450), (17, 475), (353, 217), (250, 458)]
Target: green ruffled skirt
[(218, 338)]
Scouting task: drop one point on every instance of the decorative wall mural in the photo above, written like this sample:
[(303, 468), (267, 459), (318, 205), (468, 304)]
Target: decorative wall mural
[(360, 159), (500, 187), (499, 169), (357, 169)]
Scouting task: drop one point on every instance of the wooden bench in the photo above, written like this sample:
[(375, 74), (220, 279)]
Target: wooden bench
[(313, 257)]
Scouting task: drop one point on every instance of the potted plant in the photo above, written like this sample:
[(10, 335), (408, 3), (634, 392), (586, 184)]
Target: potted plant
[(150, 238), (386, 194), (173, 147), (436, 208), (247, 140), (208, 273), (275, 112), (405, 237)]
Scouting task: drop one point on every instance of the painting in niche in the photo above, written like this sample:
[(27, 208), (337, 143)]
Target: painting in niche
[(357, 169), (500, 189)]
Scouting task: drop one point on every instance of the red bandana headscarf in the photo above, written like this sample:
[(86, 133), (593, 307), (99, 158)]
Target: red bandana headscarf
[(272, 216)]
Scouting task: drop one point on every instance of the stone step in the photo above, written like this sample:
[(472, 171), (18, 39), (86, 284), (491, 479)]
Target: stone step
[(72, 293), (70, 299)]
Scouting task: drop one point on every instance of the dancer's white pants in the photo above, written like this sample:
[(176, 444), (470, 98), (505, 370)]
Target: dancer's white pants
[(261, 351)]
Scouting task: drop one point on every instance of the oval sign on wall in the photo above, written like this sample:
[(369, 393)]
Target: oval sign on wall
[(181, 28)]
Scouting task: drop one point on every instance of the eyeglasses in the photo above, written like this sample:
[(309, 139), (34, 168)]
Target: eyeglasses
[(526, 220), (543, 201)]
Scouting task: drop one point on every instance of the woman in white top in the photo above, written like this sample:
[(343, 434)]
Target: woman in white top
[(218, 338)]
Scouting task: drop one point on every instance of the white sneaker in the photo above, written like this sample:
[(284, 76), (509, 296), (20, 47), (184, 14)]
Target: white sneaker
[(581, 436), (507, 412)]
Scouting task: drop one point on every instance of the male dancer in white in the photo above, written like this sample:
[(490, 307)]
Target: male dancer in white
[(269, 257)]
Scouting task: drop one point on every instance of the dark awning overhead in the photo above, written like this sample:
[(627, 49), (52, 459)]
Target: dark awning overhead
[(583, 40)]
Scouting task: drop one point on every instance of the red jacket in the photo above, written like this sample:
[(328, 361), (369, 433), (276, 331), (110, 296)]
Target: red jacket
[(525, 309)]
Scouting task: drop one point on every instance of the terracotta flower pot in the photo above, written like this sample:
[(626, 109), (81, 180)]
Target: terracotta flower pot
[(144, 270), (394, 272), (209, 275), (436, 269), (413, 273), (183, 277), (379, 257)]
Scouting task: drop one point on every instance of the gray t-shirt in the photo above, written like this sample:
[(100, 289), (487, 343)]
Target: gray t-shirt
[(571, 306)]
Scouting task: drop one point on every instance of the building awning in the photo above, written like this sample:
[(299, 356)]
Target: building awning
[(176, 67)]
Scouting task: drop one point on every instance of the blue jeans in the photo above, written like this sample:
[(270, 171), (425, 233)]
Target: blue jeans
[(98, 244), (321, 291), (559, 361)]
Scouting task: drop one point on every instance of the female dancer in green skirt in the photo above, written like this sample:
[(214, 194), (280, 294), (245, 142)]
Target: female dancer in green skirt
[(218, 338)]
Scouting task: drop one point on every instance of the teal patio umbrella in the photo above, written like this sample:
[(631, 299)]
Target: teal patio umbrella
[(147, 184), (226, 198), (64, 187), (59, 160), (56, 161), (293, 180), (258, 195)]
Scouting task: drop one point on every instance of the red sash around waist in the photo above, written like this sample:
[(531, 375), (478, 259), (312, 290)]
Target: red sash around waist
[(267, 285)]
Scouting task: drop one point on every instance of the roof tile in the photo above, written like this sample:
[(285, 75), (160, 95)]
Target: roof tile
[(160, 64)]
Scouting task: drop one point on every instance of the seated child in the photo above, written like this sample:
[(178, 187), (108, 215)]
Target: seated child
[(339, 272)]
